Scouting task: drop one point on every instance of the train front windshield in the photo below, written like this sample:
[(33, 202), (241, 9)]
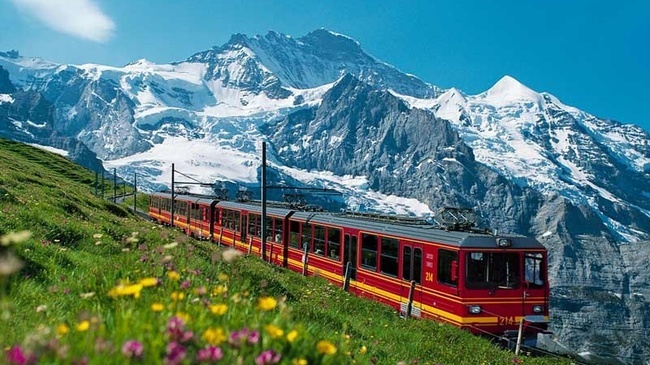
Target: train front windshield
[(490, 270)]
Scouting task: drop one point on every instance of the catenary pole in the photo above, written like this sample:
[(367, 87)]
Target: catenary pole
[(263, 194)]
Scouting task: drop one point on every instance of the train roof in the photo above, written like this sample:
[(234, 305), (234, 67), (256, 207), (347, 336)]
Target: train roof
[(282, 212), (185, 198), (416, 232), (422, 232)]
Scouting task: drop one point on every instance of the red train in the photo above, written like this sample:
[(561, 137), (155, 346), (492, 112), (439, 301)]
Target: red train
[(488, 284)]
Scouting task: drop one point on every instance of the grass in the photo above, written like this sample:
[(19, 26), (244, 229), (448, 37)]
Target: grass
[(98, 285)]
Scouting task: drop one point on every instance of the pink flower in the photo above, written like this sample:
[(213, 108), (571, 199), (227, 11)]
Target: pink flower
[(209, 353), (16, 356), (174, 353), (268, 357), (185, 284), (132, 349)]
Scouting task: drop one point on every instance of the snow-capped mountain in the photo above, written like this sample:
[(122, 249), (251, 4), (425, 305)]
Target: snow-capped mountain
[(336, 117)]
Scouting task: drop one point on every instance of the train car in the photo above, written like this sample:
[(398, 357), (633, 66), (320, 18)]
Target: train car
[(194, 215), (488, 284)]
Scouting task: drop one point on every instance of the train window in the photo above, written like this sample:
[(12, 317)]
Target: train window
[(254, 225), (294, 234), (306, 236), (236, 219), (334, 243), (534, 275), (277, 237), (319, 240), (216, 216), (417, 265), (196, 212), (412, 264), (388, 256), (269, 228), (489, 270), (369, 251), (447, 267)]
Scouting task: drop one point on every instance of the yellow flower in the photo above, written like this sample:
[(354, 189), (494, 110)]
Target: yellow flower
[(184, 316), (219, 309), (123, 290), (292, 335), (325, 347), (220, 289), (173, 275), (267, 303), (147, 282), (223, 277), (214, 336), (83, 326), (274, 331), (177, 296), (157, 307), (299, 362), (62, 329), (363, 350)]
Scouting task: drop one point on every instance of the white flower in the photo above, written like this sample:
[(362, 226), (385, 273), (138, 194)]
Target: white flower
[(15, 237)]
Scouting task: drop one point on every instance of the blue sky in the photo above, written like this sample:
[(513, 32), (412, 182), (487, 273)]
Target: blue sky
[(593, 55)]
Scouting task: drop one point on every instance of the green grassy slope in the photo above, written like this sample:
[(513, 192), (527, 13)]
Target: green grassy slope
[(97, 284)]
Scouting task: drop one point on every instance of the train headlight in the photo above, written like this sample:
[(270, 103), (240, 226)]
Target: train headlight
[(474, 309), (538, 308), (504, 242)]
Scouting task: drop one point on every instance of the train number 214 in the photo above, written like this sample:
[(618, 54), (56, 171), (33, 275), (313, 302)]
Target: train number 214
[(506, 321), (428, 276)]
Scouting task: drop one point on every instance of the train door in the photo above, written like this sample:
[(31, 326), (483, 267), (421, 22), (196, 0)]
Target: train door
[(350, 255), (411, 284), (243, 227)]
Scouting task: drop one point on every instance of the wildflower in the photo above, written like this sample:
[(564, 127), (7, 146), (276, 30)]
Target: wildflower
[(9, 263), (177, 296), (124, 290), (133, 238), (268, 357), (363, 350), (147, 282), (292, 335), (274, 331), (97, 236), (222, 277), (83, 326), (238, 338), (209, 353), (267, 303), (325, 347), (170, 245), (185, 284), (230, 255), (220, 289), (41, 308), (174, 353), (254, 337), (201, 290), (157, 307), (173, 276), (16, 356), (214, 336), (15, 237), (62, 329), (300, 361), (219, 309), (132, 349)]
